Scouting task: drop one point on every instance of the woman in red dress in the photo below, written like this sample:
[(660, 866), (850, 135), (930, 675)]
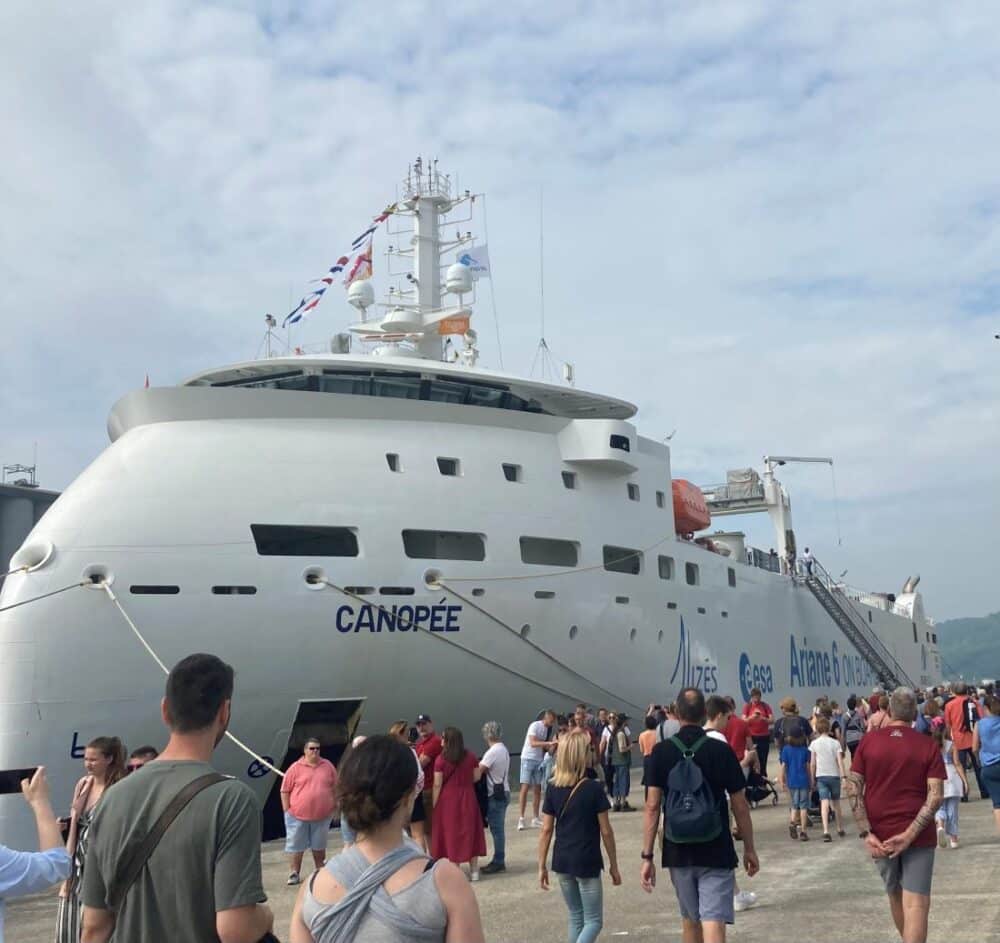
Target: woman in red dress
[(458, 824)]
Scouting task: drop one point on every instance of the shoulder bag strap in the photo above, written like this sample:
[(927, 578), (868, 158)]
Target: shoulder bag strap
[(129, 869), (568, 798)]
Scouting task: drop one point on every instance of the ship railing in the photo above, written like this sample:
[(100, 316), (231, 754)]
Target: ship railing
[(763, 560), (859, 621)]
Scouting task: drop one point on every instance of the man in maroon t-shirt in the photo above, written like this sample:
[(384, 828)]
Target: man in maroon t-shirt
[(896, 785), (737, 732), (428, 748)]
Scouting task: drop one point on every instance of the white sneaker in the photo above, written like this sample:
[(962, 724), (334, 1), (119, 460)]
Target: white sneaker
[(941, 837), (536, 823), (952, 842), (474, 876), (520, 825), (293, 879), (744, 900)]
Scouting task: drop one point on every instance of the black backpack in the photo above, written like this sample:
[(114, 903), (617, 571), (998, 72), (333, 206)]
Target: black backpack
[(690, 809), (970, 715)]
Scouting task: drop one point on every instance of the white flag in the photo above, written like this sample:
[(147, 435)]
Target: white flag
[(477, 259)]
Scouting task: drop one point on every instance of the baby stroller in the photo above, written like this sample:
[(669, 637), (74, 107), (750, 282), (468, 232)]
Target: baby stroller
[(760, 789)]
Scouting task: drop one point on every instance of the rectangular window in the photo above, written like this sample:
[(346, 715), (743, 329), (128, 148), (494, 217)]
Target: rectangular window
[(934, 638), (928, 636), (511, 472), (666, 566), (449, 466), (732, 576), (633, 492), (359, 590), (916, 638), (443, 545), (154, 590), (623, 560), (569, 480), (620, 442), (544, 594), (691, 573), (396, 590), (661, 499), (280, 540), (545, 551), (234, 590), (392, 460)]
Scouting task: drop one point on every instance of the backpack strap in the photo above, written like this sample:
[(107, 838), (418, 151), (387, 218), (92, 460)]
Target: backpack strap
[(130, 867), (688, 751)]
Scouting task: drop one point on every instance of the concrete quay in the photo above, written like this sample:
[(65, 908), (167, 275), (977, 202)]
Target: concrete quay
[(806, 890)]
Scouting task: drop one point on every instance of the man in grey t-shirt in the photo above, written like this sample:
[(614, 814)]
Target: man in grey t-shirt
[(203, 881)]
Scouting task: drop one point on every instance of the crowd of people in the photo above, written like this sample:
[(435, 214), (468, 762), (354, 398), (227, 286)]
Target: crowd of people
[(415, 807)]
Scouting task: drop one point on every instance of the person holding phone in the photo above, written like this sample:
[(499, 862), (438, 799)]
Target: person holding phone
[(28, 872)]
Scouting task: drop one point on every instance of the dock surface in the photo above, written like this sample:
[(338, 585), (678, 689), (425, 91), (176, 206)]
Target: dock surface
[(806, 890)]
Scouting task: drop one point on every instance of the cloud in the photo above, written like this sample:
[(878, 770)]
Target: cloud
[(775, 228)]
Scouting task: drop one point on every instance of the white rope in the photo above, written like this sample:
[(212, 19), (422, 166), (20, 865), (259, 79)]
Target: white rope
[(54, 592), (17, 569), (149, 648)]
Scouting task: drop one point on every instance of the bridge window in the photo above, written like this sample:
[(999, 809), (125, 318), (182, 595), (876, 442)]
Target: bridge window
[(569, 480), (691, 574), (732, 576), (392, 460), (620, 442), (661, 499), (623, 560), (511, 472), (449, 466), (666, 567), (934, 638), (546, 551), (444, 545), (279, 540), (633, 491)]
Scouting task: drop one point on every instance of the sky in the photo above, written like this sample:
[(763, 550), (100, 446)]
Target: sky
[(773, 227)]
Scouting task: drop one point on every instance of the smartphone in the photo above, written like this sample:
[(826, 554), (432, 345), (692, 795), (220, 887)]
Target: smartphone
[(10, 779)]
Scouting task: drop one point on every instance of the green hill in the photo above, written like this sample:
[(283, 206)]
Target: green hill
[(971, 646)]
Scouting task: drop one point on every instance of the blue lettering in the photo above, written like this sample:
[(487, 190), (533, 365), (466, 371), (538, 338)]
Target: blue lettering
[(405, 622), (421, 614), (836, 664), (341, 613), (365, 620), (386, 619), (437, 618), (76, 748), (451, 618), (826, 669), (795, 679)]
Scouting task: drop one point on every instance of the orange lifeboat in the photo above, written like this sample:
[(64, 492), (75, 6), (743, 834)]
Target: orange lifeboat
[(690, 510)]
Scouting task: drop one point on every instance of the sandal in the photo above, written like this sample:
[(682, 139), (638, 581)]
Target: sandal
[(803, 836)]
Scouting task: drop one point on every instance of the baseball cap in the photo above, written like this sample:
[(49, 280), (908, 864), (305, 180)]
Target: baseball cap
[(423, 718)]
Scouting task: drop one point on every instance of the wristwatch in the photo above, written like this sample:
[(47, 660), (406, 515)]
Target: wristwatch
[(646, 857)]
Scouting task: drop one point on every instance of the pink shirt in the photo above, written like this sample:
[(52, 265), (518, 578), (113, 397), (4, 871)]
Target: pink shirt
[(310, 789)]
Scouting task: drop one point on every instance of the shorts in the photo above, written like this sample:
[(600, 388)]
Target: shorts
[(419, 810), (910, 871), (991, 780), (800, 798), (305, 836), (705, 893), (828, 787), (532, 773)]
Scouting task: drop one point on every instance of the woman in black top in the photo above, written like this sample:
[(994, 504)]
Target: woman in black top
[(577, 809)]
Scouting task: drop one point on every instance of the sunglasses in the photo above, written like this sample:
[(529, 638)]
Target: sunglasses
[(132, 767), (313, 749)]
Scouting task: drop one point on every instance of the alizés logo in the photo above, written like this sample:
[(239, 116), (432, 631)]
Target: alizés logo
[(686, 675)]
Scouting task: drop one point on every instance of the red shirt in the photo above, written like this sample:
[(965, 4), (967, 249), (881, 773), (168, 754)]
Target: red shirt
[(310, 789), (873, 702), (429, 746), (896, 763), (953, 717), (759, 726), (736, 734)]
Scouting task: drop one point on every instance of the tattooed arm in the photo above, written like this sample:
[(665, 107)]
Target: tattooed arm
[(902, 841), (856, 796)]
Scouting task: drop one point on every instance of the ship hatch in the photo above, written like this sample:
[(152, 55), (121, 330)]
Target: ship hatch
[(333, 723)]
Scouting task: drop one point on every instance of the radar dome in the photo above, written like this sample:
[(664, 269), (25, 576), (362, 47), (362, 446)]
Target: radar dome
[(458, 279), (361, 295)]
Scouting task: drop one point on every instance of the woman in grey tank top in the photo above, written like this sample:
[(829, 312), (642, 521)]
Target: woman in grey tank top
[(383, 889)]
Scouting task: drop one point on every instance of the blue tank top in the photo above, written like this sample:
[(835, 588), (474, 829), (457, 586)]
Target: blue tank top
[(989, 738)]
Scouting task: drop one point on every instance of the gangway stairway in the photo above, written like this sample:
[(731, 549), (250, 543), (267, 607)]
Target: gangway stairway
[(853, 624)]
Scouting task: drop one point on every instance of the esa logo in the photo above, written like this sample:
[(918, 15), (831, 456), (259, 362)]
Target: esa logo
[(687, 675), (754, 676)]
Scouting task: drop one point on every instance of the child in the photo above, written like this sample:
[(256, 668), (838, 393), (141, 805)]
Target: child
[(795, 778), (826, 768), (955, 786)]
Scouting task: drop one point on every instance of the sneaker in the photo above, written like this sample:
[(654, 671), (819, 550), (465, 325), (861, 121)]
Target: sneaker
[(803, 835), (793, 831), (626, 807), (293, 879), (952, 842), (474, 876), (942, 838), (841, 833), (520, 825), (493, 868), (827, 836), (744, 900), (536, 823)]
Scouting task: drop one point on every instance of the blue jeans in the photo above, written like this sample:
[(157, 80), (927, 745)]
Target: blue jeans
[(947, 816), (585, 899), (622, 783), (496, 810)]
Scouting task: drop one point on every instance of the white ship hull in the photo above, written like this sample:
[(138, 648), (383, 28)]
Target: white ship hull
[(171, 502)]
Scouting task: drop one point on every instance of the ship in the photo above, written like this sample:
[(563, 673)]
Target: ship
[(388, 527)]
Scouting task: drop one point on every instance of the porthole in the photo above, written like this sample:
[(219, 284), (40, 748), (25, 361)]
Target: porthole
[(525, 630), (573, 631), (725, 615), (632, 634)]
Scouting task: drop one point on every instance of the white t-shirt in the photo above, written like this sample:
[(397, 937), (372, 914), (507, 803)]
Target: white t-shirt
[(827, 751), (538, 730), (497, 762), (716, 735)]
